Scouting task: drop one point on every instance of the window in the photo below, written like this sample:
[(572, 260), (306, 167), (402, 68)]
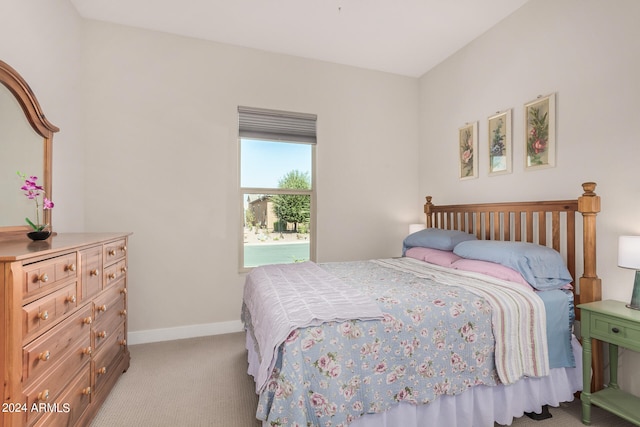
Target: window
[(277, 152)]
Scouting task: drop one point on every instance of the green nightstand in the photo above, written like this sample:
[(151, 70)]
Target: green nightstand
[(611, 322)]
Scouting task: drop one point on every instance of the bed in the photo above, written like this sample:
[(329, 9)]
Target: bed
[(418, 341)]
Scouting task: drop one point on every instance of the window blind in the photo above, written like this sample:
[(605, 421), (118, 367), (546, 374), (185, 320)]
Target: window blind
[(277, 125)]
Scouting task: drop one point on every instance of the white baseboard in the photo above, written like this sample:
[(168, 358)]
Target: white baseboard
[(182, 332)]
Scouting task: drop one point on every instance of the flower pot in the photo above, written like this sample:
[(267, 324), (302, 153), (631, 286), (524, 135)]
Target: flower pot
[(38, 235)]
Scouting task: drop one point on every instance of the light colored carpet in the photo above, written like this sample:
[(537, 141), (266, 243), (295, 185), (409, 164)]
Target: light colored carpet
[(188, 383), (202, 382)]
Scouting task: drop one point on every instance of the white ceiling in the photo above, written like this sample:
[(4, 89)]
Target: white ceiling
[(406, 37)]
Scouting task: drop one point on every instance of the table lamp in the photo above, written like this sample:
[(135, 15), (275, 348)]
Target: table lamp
[(629, 257)]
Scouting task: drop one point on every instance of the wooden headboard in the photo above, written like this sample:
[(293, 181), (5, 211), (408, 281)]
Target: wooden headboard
[(549, 223)]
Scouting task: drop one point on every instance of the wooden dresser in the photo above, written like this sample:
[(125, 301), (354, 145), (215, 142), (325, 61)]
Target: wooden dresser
[(63, 305)]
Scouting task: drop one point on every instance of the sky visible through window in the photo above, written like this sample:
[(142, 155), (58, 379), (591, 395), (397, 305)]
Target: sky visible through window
[(264, 163)]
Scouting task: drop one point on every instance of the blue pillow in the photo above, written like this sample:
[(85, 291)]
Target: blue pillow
[(435, 238), (541, 266)]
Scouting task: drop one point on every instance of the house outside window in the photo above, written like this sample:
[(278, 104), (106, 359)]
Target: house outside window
[(277, 155)]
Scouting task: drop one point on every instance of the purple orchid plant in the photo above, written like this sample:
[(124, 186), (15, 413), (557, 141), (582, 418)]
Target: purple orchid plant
[(33, 191)]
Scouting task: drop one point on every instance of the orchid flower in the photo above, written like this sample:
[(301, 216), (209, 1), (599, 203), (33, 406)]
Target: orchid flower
[(32, 191)]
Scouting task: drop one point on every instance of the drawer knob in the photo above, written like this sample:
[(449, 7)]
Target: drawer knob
[(112, 252), (93, 273), (102, 307), (102, 334), (71, 299), (122, 342), (86, 391), (123, 291), (43, 395), (87, 320), (123, 312), (70, 267), (123, 248), (123, 269), (87, 351), (615, 330), (44, 356), (43, 278), (43, 315), (102, 370), (111, 276)]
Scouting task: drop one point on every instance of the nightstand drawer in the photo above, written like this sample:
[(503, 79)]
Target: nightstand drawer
[(615, 331)]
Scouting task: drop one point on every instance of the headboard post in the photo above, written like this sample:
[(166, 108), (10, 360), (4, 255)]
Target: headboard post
[(590, 284), (428, 212), (589, 206)]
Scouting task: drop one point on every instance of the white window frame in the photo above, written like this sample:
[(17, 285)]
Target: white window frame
[(273, 191)]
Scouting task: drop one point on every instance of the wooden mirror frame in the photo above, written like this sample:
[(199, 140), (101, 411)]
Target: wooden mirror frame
[(12, 80)]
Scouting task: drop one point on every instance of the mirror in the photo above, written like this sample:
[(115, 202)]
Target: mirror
[(25, 146), (20, 150)]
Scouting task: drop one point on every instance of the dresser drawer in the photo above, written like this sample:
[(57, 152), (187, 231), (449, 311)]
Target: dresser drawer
[(44, 312), (71, 405), (111, 303), (115, 251), (108, 357), (615, 330), (91, 264), (114, 273), (51, 387), (46, 353), (104, 330), (44, 275)]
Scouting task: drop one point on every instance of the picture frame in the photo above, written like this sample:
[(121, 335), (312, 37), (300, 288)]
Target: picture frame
[(540, 133), (467, 152), (499, 141)]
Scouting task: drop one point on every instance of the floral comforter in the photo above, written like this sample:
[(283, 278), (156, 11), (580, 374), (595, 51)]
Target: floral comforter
[(434, 339)]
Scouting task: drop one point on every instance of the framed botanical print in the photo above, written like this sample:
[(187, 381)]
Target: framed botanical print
[(499, 127), (467, 153), (540, 132)]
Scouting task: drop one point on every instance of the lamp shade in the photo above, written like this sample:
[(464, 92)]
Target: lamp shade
[(416, 227), (629, 252)]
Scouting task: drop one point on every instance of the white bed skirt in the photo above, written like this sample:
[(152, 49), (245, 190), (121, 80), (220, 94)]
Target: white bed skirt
[(479, 406)]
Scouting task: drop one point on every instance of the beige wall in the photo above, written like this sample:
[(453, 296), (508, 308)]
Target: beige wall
[(41, 40), (162, 161), (588, 53), (148, 144)]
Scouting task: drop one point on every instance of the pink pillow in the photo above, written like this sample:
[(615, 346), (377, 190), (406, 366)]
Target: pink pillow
[(433, 256), (492, 269)]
